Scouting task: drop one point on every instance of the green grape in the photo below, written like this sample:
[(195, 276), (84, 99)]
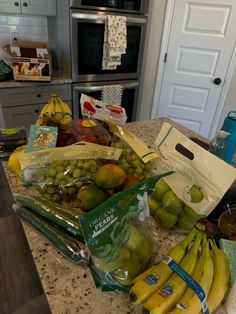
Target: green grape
[(52, 172), (65, 190), (86, 165), (60, 175), (76, 173), (80, 163), (135, 163), (41, 177), (93, 169), (130, 171), (73, 162), (60, 169), (139, 171), (65, 163), (70, 169), (50, 180), (62, 183)]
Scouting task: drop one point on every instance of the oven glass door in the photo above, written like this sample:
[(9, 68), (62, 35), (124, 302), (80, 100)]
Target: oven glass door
[(129, 96), (87, 48)]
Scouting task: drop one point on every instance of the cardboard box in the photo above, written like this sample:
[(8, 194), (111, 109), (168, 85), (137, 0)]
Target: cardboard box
[(30, 61)]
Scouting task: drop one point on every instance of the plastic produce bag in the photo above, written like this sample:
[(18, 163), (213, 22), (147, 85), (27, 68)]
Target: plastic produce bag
[(120, 238), (198, 183), (61, 171)]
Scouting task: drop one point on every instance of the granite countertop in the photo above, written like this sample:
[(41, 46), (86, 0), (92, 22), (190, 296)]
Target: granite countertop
[(70, 288)]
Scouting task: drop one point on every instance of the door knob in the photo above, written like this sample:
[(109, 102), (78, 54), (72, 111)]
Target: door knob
[(16, 4), (25, 4), (217, 81)]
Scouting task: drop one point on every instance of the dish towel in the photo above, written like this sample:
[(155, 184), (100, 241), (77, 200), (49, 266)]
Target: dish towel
[(112, 94), (115, 41)]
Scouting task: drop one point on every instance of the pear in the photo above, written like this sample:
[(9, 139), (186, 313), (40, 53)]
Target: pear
[(153, 204), (185, 223), (166, 219), (135, 239), (145, 253), (128, 270), (107, 265), (160, 189), (90, 196), (172, 203)]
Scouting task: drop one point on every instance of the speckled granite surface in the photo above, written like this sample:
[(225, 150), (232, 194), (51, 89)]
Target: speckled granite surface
[(70, 288)]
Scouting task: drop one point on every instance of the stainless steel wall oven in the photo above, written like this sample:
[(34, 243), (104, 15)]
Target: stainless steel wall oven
[(77, 38)]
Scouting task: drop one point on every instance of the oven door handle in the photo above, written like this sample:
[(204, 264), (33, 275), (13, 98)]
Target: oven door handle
[(94, 17), (98, 88)]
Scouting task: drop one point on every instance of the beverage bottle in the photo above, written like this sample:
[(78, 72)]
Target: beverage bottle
[(218, 145), (230, 304)]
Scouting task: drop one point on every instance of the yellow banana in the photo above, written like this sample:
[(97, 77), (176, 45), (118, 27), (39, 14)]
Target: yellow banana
[(197, 275), (152, 279), (220, 277), (165, 298), (194, 305), (64, 106), (58, 114)]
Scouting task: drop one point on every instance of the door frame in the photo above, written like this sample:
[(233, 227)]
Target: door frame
[(161, 68)]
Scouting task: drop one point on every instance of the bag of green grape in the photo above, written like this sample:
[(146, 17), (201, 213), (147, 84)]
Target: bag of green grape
[(61, 171), (197, 185), (120, 236), (136, 158)]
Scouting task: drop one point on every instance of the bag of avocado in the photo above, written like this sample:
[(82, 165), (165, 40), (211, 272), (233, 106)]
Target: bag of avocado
[(120, 236), (199, 181)]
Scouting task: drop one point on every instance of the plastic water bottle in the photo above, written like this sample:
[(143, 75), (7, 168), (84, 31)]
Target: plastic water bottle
[(230, 304), (218, 145)]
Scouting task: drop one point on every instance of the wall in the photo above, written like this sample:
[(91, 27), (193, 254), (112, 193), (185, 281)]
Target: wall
[(22, 27), (150, 66)]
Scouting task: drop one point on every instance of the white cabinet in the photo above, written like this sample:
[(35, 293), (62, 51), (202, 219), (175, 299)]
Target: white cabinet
[(34, 7), (21, 106)]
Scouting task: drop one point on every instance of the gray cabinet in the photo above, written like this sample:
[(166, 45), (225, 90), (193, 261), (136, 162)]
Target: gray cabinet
[(34, 7), (21, 106)]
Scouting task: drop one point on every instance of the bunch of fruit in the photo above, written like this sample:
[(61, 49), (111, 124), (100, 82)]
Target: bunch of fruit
[(169, 210), (55, 113), (129, 260), (161, 290)]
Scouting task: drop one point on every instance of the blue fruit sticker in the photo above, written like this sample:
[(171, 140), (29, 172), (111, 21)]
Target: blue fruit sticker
[(151, 279), (167, 290)]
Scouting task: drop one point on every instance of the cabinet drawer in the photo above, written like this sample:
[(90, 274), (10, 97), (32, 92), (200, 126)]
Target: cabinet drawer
[(33, 95)]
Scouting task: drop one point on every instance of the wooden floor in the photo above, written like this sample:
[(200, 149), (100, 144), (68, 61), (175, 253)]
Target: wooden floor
[(21, 291)]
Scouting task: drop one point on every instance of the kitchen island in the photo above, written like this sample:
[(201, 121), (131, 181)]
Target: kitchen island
[(69, 288)]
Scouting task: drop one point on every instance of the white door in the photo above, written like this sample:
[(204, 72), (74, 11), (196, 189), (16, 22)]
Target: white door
[(36, 7), (200, 47)]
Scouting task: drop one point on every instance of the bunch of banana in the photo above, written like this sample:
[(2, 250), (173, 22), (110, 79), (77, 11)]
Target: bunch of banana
[(163, 291), (55, 113)]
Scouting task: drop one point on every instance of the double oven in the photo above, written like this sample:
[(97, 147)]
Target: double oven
[(87, 23)]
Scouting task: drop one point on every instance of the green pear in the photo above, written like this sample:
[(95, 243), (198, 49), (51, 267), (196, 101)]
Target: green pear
[(145, 253), (172, 203), (90, 196), (153, 204), (166, 219), (107, 265), (160, 189), (135, 239), (128, 270), (184, 223), (196, 194)]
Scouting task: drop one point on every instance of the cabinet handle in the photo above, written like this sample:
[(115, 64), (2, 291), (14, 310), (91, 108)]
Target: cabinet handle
[(36, 111), (25, 4), (16, 4), (39, 95)]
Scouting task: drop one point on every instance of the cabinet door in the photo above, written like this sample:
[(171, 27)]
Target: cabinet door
[(15, 117), (36, 7), (9, 6)]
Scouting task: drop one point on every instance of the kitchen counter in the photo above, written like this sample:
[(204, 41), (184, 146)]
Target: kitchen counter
[(70, 288)]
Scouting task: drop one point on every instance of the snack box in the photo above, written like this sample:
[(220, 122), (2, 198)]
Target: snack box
[(89, 130), (30, 63)]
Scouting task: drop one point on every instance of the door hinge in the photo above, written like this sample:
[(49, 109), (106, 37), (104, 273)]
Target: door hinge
[(165, 57)]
